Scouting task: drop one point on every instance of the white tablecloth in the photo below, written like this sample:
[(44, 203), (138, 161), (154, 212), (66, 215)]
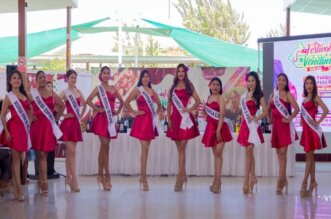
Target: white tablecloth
[(163, 157)]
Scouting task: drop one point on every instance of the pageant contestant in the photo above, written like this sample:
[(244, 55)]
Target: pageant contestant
[(217, 132), (283, 133), (146, 124), (250, 133), (44, 128), (70, 126), (312, 137), (181, 124), (16, 131), (104, 123)]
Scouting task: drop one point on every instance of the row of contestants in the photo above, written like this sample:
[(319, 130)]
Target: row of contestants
[(181, 124)]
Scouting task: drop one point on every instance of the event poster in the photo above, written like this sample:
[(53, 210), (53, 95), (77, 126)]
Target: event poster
[(233, 80), (300, 58)]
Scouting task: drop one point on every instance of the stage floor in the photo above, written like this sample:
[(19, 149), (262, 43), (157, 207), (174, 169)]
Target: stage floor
[(127, 201)]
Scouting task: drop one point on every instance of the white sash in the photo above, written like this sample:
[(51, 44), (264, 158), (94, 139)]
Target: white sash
[(73, 102), (186, 122), (47, 112), (215, 115), (283, 110), (21, 113), (150, 103), (254, 137), (108, 110), (316, 128)]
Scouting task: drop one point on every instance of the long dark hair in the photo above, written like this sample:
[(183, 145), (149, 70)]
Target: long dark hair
[(142, 73), (258, 93), (101, 70), (286, 78), (39, 73), (70, 72), (10, 87), (219, 81), (188, 84), (305, 92)]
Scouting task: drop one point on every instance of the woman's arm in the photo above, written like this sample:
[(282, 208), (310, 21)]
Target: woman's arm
[(83, 103), (60, 105), (325, 109)]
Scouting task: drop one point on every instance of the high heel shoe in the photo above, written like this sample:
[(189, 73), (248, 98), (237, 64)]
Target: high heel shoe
[(107, 183), (43, 188), (100, 180), (312, 187), (252, 182), (281, 184), (246, 189), (67, 182), (180, 183), (212, 186), (217, 186), (144, 183), (303, 191), (17, 194), (73, 186)]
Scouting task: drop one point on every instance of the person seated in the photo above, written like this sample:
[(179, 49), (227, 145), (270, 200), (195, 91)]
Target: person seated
[(126, 118)]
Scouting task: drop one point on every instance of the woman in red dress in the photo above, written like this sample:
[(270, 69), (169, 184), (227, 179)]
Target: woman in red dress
[(42, 135), (181, 124), (70, 127), (281, 127), (143, 127), (217, 132), (15, 135), (311, 139), (100, 124), (253, 99)]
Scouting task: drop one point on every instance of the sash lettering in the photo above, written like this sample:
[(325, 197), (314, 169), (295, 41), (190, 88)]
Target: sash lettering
[(21, 113), (47, 112), (316, 128), (150, 104), (186, 122), (108, 110), (253, 126), (283, 110), (73, 103)]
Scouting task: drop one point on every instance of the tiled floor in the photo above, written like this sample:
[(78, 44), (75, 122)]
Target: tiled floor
[(127, 201)]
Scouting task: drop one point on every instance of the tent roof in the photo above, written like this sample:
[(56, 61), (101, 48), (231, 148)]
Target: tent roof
[(9, 6), (321, 7), (211, 51), (40, 42)]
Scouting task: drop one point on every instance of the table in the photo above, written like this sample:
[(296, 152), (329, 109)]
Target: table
[(163, 157)]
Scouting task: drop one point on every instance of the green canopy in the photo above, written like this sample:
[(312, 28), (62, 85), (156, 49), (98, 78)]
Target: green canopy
[(212, 51), (40, 42)]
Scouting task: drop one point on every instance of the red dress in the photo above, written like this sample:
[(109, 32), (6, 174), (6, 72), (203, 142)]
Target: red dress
[(177, 133), (142, 127), (70, 127), (209, 137), (281, 133), (99, 125), (244, 130), (42, 137), (19, 137), (309, 138)]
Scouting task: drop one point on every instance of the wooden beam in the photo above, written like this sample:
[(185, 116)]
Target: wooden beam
[(68, 41)]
